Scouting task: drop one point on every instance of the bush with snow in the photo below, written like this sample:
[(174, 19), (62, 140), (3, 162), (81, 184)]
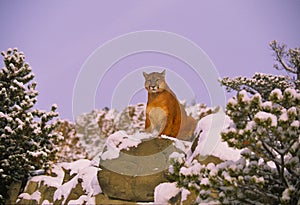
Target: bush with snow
[(269, 130), (70, 148), (93, 128), (265, 125), (269, 170), (27, 140)]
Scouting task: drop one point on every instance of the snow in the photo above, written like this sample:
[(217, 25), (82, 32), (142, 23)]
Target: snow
[(179, 144), (2, 115), (226, 176), (296, 123), (19, 84), (119, 141), (264, 116), (165, 191), (89, 177), (258, 179), (76, 166), (271, 164), (37, 153), (81, 200), (25, 196), (91, 200), (286, 193), (209, 130), (8, 129), (277, 92), (204, 181), (213, 169), (232, 101), (292, 92), (65, 190), (284, 116), (184, 194), (46, 202), (54, 106), (245, 97), (292, 111), (84, 171), (194, 169), (250, 125), (34, 196), (177, 157), (51, 181), (267, 105)]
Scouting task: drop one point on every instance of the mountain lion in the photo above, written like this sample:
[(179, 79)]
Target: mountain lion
[(164, 113)]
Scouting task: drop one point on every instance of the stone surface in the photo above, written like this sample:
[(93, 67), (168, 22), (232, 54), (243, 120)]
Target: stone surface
[(135, 174), (102, 199), (13, 192), (75, 193), (45, 191)]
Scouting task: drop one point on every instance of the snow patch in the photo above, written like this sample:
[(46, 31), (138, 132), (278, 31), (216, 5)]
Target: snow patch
[(76, 166), (296, 123), (277, 92), (81, 200), (119, 141), (164, 192), (179, 144), (86, 173), (264, 117), (209, 131)]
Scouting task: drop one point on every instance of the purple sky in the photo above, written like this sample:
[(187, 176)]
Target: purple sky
[(57, 37)]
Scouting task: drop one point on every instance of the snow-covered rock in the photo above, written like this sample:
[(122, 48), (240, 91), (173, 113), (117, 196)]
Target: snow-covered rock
[(133, 165), (68, 183)]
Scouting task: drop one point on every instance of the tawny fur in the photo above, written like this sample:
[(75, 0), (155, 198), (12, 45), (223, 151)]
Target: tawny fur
[(164, 113)]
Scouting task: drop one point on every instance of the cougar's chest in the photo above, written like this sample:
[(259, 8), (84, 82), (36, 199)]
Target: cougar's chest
[(157, 117)]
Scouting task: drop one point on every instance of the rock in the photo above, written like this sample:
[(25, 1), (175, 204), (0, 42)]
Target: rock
[(36, 192), (75, 193), (102, 199), (134, 175), (209, 159), (13, 192), (25, 201), (47, 192), (31, 187)]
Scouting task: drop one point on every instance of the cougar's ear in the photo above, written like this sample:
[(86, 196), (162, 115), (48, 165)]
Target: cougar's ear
[(145, 74), (163, 73)]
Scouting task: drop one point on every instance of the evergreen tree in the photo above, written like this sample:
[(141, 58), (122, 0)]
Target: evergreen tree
[(27, 140), (265, 123)]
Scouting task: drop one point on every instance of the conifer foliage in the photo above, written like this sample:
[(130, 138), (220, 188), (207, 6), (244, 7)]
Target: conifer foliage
[(27, 140), (265, 124)]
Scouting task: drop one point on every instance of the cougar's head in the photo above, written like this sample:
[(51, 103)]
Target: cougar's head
[(155, 82)]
